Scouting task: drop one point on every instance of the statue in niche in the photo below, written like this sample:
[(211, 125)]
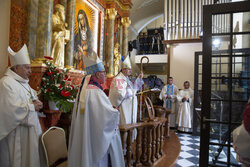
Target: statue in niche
[(117, 58), (60, 35), (83, 42)]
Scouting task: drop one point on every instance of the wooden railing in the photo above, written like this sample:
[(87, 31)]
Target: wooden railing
[(147, 148)]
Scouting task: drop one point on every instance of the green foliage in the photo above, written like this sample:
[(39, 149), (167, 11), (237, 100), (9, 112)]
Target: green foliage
[(56, 86)]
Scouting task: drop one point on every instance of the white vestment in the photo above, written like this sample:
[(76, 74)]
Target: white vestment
[(241, 144), (122, 95), (19, 124), (184, 116), (94, 130), (171, 90)]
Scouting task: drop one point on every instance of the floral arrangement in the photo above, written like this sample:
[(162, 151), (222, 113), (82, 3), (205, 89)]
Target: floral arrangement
[(56, 86)]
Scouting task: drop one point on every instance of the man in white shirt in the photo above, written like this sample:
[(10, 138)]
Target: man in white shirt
[(184, 116), (19, 124), (168, 95)]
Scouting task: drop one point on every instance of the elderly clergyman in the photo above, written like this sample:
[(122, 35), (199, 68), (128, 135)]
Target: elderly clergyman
[(122, 94), (19, 124), (94, 137)]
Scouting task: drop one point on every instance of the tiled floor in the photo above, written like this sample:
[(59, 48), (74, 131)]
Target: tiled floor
[(189, 155)]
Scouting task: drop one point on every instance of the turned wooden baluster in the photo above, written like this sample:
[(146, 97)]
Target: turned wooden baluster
[(129, 147), (153, 144), (149, 145), (138, 147), (123, 139), (167, 126), (162, 137), (144, 142), (158, 139)]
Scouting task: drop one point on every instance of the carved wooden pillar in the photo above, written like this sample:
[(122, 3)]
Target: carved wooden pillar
[(44, 31), (153, 144), (123, 139), (111, 14), (162, 138), (70, 19), (167, 125), (138, 147), (129, 147), (158, 139), (149, 146), (125, 24), (144, 142)]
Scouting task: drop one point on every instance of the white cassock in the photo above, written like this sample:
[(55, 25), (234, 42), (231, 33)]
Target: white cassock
[(19, 124), (171, 90), (122, 95), (241, 144), (94, 130), (184, 116)]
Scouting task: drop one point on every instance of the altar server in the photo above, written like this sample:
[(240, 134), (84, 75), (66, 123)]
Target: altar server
[(184, 115), (168, 95)]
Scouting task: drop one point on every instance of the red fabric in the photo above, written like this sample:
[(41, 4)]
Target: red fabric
[(246, 117)]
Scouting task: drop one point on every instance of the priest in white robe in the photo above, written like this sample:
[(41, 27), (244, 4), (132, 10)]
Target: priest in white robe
[(19, 124), (184, 116), (168, 95), (241, 138), (122, 94), (94, 137)]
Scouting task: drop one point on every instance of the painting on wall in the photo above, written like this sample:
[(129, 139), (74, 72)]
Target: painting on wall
[(86, 31)]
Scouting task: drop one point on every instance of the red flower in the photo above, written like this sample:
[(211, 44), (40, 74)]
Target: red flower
[(60, 86), (47, 57), (50, 73), (65, 93), (48, 90), (66, 77), (72, 86)]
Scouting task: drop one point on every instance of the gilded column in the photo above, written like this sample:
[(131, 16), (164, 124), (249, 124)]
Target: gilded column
[(111, 14), (105, 57), (64, 3), (125, 24), (32, 25), (43, 31), (70, 19)]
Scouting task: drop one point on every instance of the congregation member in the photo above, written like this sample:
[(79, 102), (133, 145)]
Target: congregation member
[(168, 95), (184, 115), (241, 138), (122, 94), (94, 137), (20, 128)]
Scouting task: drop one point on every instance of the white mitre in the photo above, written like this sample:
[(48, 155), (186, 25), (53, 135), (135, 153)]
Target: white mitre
[(126, 63), (93, 64), (20, 57)]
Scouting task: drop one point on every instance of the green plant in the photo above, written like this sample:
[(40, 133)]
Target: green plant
[(56, 86)]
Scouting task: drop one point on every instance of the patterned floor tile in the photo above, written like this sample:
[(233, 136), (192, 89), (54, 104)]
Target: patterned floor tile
[(190, 150)]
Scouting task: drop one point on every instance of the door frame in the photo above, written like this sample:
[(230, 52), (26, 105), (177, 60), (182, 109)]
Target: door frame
[(208, 11)]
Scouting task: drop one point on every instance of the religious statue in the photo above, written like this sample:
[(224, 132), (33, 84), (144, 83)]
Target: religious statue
[(60, 35), (83, 42), (117, 58)]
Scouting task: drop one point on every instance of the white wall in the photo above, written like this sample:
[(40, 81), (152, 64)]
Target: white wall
[(182, 63), (4, 34)]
